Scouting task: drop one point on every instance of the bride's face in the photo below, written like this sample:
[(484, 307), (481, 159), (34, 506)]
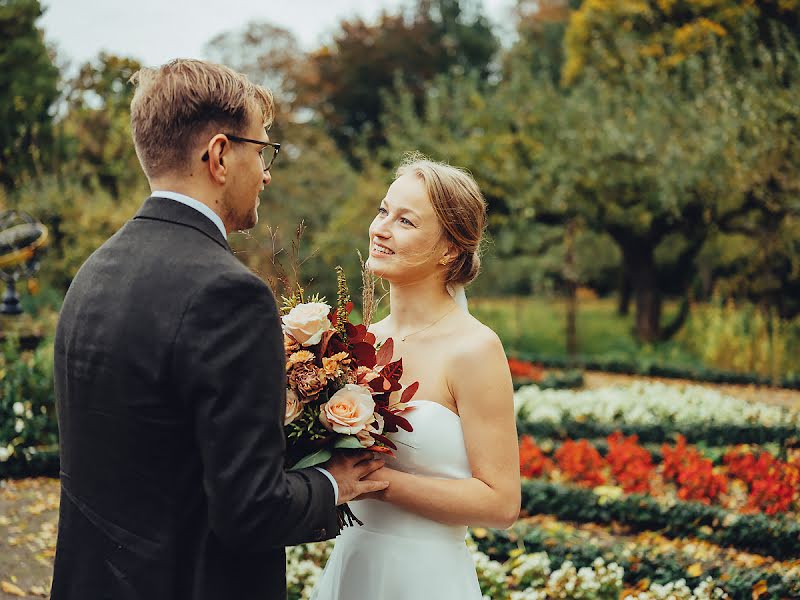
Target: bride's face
[(406, 241)]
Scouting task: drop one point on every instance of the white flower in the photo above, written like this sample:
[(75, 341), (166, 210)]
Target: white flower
[(6, 452), (19, 425), (645, 403), (307, 322), (19, 408)]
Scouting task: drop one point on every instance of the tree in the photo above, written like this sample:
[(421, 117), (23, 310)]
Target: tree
[(270, 56), (364, 59), (96, 127), (610, 35), (28, 89)]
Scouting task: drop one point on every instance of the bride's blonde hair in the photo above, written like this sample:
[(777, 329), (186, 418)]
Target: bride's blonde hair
[(460, 208)]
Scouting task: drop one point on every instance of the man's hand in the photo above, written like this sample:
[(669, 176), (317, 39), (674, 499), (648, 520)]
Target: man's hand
[(350, 470)]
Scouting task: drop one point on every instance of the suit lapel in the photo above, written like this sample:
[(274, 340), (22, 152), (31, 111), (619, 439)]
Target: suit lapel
[(165, 209)]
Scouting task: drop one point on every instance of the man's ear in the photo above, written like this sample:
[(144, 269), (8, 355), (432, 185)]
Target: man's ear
[(217, 147)]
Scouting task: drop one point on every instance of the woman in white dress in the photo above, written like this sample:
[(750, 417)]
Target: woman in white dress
[(460, 465)]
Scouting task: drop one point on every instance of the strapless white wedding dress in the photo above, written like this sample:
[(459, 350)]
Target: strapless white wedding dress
[(397, 554)]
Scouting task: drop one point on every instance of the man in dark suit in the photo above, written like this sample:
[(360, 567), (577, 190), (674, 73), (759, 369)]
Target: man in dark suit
[(169, 370)]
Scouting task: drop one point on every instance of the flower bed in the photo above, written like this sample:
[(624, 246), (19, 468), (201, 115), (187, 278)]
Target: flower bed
[(748, 480), (525, 373), (655, 412), (646, 557), (521, 576)]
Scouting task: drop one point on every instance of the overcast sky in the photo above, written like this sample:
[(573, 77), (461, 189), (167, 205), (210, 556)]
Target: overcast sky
[(155, 31)]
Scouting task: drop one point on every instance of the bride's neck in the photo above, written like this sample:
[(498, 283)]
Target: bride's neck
[(415, 304)]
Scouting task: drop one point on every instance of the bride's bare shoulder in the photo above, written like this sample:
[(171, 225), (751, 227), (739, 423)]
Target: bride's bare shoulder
[(473, 337)]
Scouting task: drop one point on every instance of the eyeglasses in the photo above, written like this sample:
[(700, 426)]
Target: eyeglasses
[(267, 156)]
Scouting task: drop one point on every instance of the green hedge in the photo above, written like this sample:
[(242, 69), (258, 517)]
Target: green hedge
[(778, 537), (639, 564), (711, 434), (28, 426), (555, 380), (645, 366)]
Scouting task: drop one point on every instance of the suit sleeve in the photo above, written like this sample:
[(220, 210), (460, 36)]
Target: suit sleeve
[(230, 367)]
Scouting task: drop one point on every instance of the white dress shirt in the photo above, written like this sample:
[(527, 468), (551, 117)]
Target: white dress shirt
[(217, 220)]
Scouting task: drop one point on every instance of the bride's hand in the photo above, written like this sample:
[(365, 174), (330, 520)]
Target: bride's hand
[(382, 474)]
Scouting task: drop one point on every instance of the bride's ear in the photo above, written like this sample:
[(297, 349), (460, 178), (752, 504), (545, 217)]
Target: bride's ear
[(449, 256)]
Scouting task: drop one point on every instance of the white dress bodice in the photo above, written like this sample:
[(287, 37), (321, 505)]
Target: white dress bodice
[(398, 554)]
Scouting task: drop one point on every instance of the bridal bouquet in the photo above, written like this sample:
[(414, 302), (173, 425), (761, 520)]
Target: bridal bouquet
[(343, 393)]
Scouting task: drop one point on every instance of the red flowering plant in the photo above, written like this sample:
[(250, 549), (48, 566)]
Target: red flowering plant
[(343, 392), (631, 465), (533, 462), (773, 485), (580, 462), (695, 475)]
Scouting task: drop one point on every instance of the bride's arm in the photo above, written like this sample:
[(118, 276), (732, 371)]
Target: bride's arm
[(480, 381)]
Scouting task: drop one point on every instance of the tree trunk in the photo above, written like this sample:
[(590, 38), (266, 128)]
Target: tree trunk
[(571, 279), (624, 304), (647, 295)]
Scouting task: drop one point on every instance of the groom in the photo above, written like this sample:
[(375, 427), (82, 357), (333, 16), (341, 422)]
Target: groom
[(169, 370)]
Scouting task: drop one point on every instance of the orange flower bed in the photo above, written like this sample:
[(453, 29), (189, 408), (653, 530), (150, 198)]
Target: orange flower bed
[(772, 485)]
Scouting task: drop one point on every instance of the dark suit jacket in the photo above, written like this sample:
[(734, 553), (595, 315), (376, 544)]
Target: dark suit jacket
[(170, 389)]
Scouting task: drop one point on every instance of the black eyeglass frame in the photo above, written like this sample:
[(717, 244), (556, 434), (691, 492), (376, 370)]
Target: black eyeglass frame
[(235, 138)]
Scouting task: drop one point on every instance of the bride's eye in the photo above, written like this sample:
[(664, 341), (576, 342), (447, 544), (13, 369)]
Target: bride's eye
[(405, 221), (382, 211)]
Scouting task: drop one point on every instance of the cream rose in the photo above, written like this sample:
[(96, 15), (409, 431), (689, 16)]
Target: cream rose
[(293, 407), (365, 435), (307, 322), (349, 410)]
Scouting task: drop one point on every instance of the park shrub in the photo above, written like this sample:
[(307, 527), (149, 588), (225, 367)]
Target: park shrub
[(28, 427)]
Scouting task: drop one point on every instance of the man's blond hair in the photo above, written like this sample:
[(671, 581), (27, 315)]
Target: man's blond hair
[(176, 107)]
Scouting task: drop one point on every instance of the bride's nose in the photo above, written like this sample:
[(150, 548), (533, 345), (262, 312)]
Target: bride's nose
[(379, 229)]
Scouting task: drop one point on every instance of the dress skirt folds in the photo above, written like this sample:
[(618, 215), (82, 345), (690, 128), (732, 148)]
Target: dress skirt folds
[(397, 554)]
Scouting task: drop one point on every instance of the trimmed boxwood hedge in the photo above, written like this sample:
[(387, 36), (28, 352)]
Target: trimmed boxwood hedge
[(711, 434), (644, 366), (778, 537)]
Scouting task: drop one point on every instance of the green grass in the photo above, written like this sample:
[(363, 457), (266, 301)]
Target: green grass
[(538, 326)]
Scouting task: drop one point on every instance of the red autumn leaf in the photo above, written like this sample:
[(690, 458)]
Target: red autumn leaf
[(385, 353), (383, 440), (382, 450), (364, 354), (393, 420), (335, 345), (409, 392), (370, 338), (383, 386), (323, 343), (392, 371), (348, 307), (333, 317)]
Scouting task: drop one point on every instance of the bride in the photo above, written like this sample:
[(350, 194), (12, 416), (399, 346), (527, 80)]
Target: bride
[(460, 465)]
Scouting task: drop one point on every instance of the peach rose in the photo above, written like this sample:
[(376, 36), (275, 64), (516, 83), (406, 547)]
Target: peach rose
[(307, 322), (365, 435), (349, 410), (293, 407)]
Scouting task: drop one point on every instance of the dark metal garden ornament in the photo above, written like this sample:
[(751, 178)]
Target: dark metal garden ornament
[(22, 239)]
